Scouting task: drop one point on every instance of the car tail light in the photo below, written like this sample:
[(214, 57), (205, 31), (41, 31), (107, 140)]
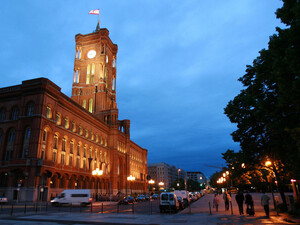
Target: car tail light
[(90, 199)]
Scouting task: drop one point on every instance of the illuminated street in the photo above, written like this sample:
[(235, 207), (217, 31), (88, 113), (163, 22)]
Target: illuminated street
[(198, 214)]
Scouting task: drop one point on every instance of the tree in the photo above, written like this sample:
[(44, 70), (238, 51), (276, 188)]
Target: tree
[(267, 110)]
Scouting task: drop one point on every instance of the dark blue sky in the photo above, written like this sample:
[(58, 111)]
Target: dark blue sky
[(177, 67)]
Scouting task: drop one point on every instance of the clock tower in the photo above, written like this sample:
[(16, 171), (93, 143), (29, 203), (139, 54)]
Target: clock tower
[(94, 81)]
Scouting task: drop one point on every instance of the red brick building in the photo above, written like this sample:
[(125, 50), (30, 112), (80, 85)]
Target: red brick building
[(50, 142)]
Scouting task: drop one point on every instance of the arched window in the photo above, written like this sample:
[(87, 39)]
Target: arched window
[(26, 142), (92, 136), (30, 109), (73, 126), (114, 62), (44, 144), (2, 114), (63, 148), (101, 73), (71, 146), (58, 118), (114, 84), (55, 146), (88, 73), (66, 122), (91, 105), (86, 133), (54, 153), (10, 144), (76, 76), (78, 149), (14, 113), (100, 156), (84, 151), (93, 73), (80, 130), (49, 112), (84, 103), (97, 138)]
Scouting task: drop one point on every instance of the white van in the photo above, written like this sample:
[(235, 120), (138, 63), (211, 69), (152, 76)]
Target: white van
[(74, 197), (168, 202)]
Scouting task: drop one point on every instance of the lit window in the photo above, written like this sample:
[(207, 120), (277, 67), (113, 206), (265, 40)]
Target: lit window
[(91, 105), (58, 119), (67, 122), (63, 145), (93, 73), (88, 73), (84, 103), (49, 112), (73, 127)]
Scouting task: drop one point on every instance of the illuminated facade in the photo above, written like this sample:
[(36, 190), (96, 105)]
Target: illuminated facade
[(50, 142)]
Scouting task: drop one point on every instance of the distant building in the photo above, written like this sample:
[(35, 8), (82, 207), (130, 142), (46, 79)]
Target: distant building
[(163, 172), (197, 176)]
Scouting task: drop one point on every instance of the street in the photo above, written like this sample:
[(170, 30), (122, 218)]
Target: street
[(198, 213)]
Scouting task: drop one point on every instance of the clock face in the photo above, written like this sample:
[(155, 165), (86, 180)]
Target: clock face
[(91, 54)]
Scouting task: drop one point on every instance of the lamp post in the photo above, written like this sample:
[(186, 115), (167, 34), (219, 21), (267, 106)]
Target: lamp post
[(131, 179), (178, 178), (161, 184), (97, 172), (293, 181), (268, 163)]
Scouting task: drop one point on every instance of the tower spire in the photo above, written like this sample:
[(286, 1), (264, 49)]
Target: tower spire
[(98, 26)]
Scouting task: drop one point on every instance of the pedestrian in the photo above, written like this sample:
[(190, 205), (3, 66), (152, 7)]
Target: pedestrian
[(216, 202), (250, 204), (226, 197), (240, 201), (265, 203)]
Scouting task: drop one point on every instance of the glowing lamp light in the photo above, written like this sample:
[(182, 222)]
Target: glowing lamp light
[(268, 163), (97, 172), (130, 178), (293, 180), (151, 181), (243, 165)]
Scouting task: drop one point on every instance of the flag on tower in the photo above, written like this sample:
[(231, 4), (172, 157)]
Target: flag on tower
[(94, 12)]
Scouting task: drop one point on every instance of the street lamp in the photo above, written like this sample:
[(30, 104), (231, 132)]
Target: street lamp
[(161, 184), (97, 172), (131, 179), (178, 177), (268, 163)]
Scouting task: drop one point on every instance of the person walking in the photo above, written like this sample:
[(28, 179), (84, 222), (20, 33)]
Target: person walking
[(240, 201), (226, 198), (216, 202), (265, 203), (250, 204)]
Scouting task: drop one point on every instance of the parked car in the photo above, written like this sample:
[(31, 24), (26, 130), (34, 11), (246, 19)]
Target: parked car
[(147, 197), (181, 204), (155, 196), (74, 197), (126, 201), (140, 198), (168, 202), (3, 200)]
